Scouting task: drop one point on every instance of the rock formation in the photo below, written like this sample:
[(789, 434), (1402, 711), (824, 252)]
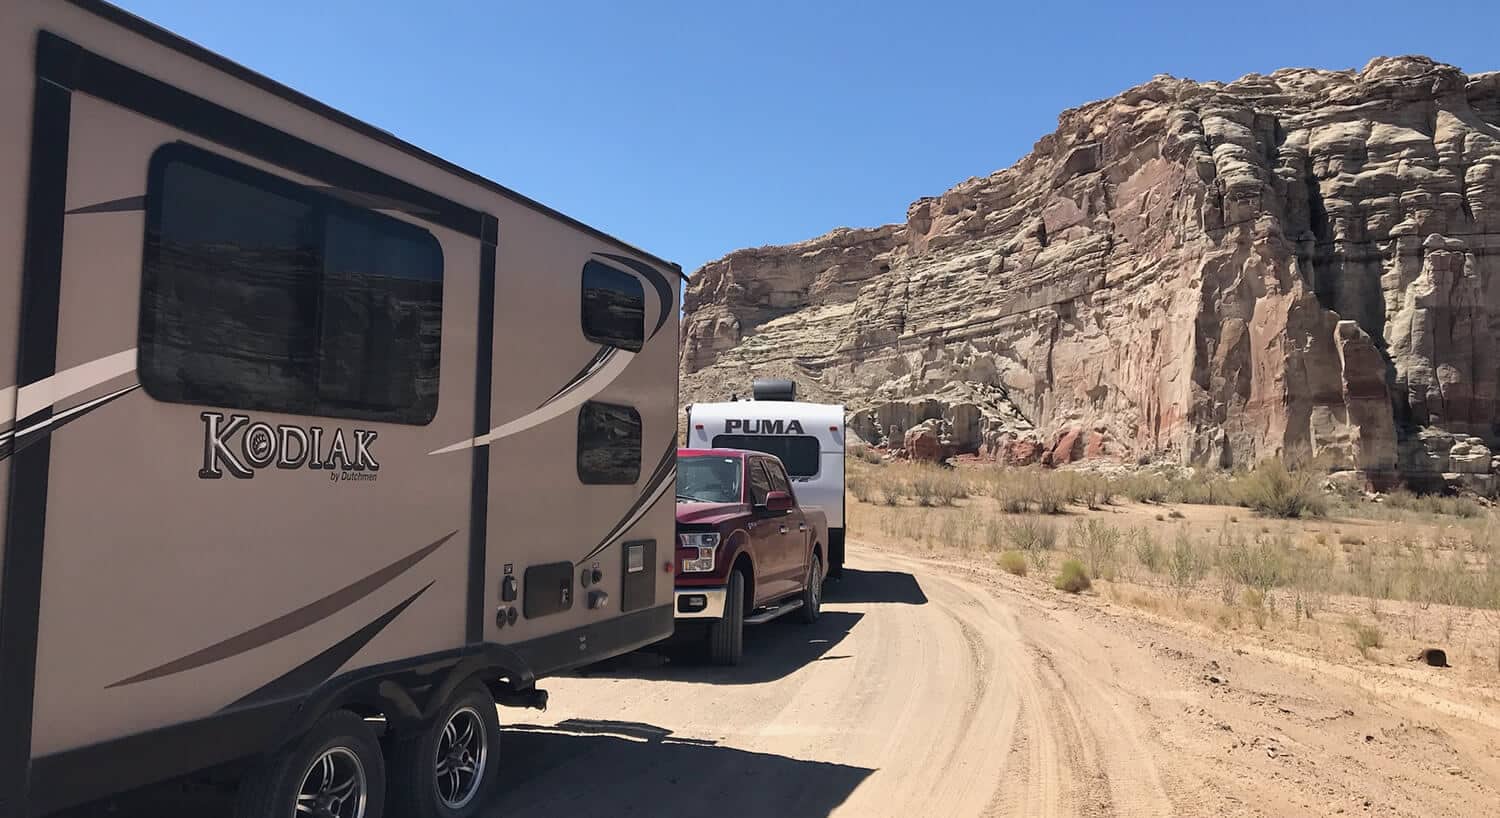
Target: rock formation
[(1209, 273)]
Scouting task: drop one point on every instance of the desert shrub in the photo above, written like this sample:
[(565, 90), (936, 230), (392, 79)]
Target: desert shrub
[(1148, 552), (1348, 539), (935, 485), (1204, 490), (1255, 602), (870, 455), (1434, 504), (890, 491), (1263, 564), (1185, 566), (1175, 514), (994, 533), (1032, 535), (1366, 637), (1050, 496), (1273, 490), (1097, 542), (1072, 577), (861, 487), (1013, 562), (1143, 488)]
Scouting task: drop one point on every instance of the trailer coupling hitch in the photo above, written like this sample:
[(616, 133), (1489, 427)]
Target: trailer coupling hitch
[(533, 697)]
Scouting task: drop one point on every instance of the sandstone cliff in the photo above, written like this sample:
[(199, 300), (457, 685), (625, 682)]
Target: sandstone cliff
[(1207, 273)]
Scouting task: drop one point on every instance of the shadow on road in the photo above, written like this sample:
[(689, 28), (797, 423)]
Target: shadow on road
[(604, 769), (772, 650), (876, 587), (591, 769)]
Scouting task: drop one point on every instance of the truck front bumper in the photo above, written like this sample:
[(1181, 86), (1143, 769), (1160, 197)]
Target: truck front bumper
[(700, 603)]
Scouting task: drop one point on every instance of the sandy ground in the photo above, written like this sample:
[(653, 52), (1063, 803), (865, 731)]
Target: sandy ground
[(940, 688), (935, 688)]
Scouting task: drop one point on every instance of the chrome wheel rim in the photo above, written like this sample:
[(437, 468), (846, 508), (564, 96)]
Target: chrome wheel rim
[(817, 583), (333, 787), (459, 764)]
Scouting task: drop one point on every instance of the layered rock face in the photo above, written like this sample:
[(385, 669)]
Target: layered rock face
[(1301, 263)]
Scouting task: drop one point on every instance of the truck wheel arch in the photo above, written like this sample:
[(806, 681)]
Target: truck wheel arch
[(745, 565)]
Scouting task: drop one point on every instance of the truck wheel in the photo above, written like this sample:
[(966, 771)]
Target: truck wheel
[(450, 768), (726, 637), (334, 771), (812, 591)]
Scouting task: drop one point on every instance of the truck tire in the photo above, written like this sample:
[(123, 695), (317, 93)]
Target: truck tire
[(812, 591), (336, 766), (451, 767), (836, 553), (726, 637)]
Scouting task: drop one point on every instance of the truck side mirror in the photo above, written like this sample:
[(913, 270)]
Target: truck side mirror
[(778, 501)]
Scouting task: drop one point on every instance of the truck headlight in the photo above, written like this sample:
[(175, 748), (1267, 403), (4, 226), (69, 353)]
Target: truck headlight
[(705, 544)]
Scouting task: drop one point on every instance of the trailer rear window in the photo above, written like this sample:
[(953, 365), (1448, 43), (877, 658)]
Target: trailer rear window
[(614, 307), (260, 293), (799, 453), (609, 444)]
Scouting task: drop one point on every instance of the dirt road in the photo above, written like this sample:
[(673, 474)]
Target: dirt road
[(952, 690), (929, 689)]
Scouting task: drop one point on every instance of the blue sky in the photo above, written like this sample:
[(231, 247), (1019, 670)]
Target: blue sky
[(695, 128)]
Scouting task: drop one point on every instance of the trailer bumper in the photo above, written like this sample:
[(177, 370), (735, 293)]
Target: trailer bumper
[(700, 603)]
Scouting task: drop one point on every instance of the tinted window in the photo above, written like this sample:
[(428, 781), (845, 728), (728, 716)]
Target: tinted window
[(614, 307), (259, 293), (760, 484), (708, 479), (798, 453), (609, 444), (778, 477)]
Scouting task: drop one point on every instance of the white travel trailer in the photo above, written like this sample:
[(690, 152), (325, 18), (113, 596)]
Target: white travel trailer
[(808, 437), (299, 426)]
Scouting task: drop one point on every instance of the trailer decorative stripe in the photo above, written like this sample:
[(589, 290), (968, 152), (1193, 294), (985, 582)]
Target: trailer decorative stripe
[(590, 386), (20, 402), (304, 617), (24, 436), (662, 477), (320, 668)]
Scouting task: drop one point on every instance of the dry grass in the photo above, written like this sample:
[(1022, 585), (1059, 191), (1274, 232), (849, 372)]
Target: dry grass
[(1419, 578)]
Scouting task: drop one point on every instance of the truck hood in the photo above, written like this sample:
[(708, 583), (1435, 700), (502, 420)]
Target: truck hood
[(710, 513)]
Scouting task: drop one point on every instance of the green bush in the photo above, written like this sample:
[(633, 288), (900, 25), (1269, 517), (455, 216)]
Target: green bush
[(1273, 490), (1072, 577), (1013, 562)]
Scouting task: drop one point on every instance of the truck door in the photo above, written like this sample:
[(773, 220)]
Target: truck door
[(792, 528), (765, 537)]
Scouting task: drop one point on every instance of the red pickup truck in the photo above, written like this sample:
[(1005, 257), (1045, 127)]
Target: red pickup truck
[(746, 552)]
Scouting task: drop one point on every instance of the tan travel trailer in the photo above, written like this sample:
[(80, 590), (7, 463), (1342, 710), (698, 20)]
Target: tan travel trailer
[(300, 425)]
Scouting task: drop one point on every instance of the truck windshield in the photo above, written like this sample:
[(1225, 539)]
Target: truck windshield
[(799, 453), (708, 480)]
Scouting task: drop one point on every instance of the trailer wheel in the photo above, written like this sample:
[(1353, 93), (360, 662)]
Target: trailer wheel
[(812, 591), (334, 771), (726, 637), (451, 767)]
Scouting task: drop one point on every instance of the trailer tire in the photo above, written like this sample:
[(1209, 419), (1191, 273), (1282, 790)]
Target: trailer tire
[(338, 757), (812, 591), (465, 731), (726, 637)]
